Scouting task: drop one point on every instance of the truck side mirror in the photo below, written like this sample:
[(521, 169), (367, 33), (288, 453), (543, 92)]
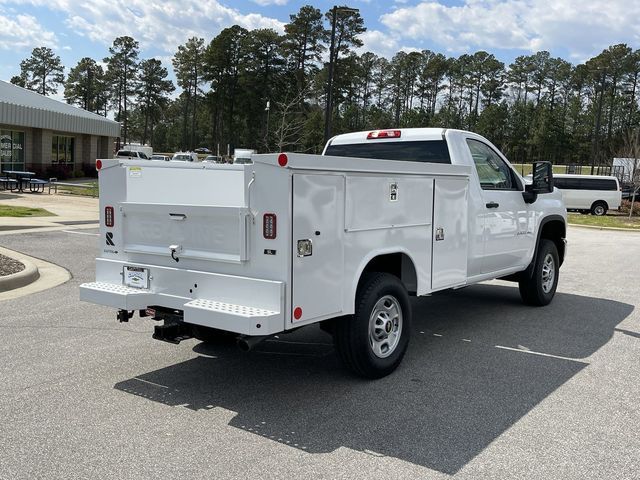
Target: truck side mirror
[(542, 177), (542, 181)]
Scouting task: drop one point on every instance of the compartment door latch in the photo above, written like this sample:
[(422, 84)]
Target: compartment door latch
[(175, 250)]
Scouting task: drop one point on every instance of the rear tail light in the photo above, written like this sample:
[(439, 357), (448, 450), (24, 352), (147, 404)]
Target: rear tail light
[(384, 134), (108, 216), (269, 226)]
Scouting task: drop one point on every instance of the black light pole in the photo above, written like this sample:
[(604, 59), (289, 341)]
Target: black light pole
[(328, 113)]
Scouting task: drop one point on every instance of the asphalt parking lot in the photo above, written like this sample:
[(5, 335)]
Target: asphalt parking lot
[(489, 388)]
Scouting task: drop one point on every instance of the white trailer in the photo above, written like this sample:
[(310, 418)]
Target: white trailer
[(295, 239)]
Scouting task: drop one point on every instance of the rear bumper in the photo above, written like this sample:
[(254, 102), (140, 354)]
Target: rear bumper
[(243, 305)]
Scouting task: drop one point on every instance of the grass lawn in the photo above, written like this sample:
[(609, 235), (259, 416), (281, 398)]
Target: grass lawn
[(525, 169), (11, 211), (88, 192), (619, 221)]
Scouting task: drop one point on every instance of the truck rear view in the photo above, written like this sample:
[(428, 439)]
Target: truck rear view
[(252, 250)]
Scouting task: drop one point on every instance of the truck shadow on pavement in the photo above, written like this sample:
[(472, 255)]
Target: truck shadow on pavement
[(478, 362)]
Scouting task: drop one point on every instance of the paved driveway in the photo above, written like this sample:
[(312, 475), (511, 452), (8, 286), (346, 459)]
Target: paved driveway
[(489, 388)]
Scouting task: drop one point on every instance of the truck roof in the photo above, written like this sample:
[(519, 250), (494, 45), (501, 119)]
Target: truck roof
[(406, 134)]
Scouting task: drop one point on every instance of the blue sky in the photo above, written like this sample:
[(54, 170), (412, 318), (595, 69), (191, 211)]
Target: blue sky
[(572, 29)]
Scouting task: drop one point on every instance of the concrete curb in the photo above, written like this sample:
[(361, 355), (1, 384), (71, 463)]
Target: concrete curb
[(20, 279), (49, 276), (595, 227)]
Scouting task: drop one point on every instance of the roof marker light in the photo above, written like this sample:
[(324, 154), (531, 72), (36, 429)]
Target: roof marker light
[(98, 164), (384, 134), (283, 159)]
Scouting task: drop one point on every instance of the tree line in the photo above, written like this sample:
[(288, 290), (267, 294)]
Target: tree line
[(265, 90)]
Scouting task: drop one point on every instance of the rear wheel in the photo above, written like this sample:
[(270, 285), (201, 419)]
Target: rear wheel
[(539, 288), (599, 208), (373, 341)]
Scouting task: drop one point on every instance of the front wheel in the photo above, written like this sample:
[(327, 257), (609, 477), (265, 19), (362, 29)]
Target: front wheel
[(373, 341), (539, 288)]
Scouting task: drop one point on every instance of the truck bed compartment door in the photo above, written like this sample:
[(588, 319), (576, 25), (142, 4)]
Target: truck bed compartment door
[(317, 244), (450, 233)]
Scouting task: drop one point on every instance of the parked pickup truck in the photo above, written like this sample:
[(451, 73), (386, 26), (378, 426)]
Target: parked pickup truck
[(343, 238)]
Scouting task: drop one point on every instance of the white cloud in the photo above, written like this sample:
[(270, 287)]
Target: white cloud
[(24, 32), (163, 25), (383, 44), (580, 27), (378, 42), (265, 3)]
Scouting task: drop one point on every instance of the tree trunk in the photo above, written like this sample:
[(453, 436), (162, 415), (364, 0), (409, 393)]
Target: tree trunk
[(126, 125), (195, 101), (146, 121)]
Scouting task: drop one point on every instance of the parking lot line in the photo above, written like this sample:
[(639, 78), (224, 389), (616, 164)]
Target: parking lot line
[(81, 233), (538, 353)]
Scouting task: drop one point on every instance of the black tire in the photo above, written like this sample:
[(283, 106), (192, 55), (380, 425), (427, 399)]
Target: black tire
[(599, 208), (352, 337), (536, 289)]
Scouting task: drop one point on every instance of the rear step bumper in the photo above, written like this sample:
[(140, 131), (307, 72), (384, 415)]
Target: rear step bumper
[(242, 305)]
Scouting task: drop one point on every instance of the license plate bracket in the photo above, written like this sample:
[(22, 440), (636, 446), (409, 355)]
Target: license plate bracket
[(136, 277)]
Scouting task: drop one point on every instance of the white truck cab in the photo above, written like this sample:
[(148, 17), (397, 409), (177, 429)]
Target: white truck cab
[(341, 238)]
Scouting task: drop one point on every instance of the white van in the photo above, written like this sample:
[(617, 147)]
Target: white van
[(589, 193)]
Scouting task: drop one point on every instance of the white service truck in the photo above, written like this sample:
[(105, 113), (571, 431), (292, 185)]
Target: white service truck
[(342, 238)]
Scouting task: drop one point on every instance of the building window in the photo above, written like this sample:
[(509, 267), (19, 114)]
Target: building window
[(11, 150), (62, 150)]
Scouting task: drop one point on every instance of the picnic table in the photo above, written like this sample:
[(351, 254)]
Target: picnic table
[(22, 178)]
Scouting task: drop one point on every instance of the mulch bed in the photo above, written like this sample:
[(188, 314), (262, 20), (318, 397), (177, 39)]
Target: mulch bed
[(9, 266)]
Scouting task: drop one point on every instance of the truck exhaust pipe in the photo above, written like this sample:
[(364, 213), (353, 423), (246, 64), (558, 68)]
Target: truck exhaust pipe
[(247, 342)]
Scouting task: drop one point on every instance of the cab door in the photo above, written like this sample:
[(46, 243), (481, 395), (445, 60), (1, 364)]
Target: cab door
[(506, 220)]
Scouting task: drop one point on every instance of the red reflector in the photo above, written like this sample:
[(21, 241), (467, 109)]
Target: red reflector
[(297, 313), (108, 216), (269, 222), (282, 159), (384, 134), (98, 164)]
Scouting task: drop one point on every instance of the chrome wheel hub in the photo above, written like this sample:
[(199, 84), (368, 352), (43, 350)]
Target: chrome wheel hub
[(385, 326), (548, 273)]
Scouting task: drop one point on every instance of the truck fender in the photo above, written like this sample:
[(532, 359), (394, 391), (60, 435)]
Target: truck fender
[(363, 264), (550, 218)]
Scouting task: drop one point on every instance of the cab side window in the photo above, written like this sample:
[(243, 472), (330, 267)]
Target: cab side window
[(493, 172)]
